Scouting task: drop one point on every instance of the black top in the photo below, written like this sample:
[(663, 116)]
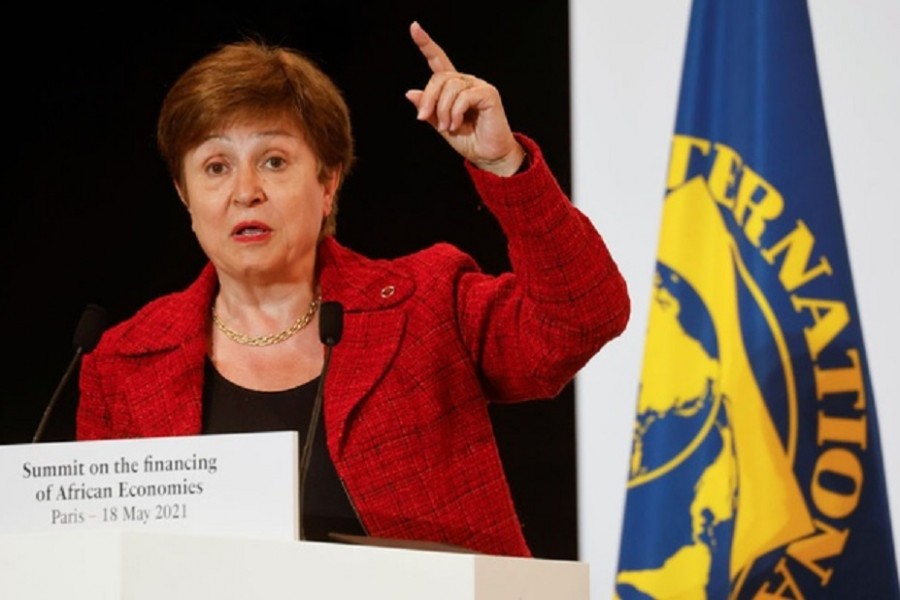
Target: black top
[(230, 408)]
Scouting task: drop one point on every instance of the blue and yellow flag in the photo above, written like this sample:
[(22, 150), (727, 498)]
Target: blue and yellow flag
[(756, 467)]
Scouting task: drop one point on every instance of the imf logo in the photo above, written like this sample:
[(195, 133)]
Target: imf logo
[(711, 480)]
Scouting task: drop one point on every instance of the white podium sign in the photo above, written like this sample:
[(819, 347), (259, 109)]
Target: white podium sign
[(229, 484)]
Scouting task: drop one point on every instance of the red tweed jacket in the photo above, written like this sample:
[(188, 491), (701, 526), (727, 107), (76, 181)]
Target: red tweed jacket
[(428, 341)]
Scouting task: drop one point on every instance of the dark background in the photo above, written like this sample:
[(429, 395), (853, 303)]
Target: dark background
[(93, 218)]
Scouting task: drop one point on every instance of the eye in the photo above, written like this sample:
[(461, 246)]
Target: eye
[(216, 168), (275, 162)]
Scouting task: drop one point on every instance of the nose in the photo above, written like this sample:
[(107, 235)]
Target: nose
[(248, 189)]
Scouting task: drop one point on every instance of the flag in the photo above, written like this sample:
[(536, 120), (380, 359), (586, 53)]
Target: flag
[(756, 468)]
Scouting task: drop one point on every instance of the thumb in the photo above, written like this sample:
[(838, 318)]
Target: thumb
[(415, 98)]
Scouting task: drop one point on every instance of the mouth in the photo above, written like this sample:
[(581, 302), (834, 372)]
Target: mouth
[(250, 230)]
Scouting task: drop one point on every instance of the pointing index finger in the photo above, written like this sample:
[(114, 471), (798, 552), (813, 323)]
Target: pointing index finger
[(437, 59)]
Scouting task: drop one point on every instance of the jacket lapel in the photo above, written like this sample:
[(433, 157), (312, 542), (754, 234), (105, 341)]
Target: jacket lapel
[(165, 347), (371, 292)]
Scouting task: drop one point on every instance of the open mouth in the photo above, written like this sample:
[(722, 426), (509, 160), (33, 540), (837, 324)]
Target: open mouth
[(250, 230)]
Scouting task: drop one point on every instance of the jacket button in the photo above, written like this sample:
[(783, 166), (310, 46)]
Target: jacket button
[(387, 291)]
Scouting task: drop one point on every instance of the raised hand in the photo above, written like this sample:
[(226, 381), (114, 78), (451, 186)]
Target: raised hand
[(465, 110)]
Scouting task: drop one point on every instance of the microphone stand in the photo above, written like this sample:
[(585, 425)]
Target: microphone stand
[(330, 329), (88, 332), (56, 394)]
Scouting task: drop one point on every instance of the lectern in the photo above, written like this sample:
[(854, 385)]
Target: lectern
[(215, 516), (116, 565)]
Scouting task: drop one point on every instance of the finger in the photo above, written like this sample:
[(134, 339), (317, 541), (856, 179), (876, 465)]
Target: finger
[(438, 60), (455, 113), (453, 102), (440, 92), (415, 97), (467, 100)]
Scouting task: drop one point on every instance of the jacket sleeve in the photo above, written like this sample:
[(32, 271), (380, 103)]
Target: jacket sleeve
[(530, 330)]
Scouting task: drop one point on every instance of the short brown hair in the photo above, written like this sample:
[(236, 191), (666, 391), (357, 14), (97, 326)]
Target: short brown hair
[(249, 80)]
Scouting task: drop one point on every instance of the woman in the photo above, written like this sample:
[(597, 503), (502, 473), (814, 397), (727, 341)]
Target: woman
[(258, 142)]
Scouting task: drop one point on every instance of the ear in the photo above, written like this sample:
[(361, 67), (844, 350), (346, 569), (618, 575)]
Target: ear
[(330, 185)]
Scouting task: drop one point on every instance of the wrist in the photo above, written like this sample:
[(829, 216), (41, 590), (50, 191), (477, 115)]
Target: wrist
[(515, 161)]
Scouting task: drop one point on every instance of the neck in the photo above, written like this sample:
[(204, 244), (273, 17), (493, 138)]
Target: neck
[(258, 310), (268, 339)]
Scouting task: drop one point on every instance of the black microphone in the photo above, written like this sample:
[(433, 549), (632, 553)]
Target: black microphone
[(331, 326), (331, 323), (90, 327)]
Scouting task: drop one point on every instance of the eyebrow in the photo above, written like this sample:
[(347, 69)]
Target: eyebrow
[(261, 134)]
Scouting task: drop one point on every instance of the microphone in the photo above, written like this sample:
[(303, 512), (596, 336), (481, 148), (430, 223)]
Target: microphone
[(90, 327), (331, 326), (331, 323)]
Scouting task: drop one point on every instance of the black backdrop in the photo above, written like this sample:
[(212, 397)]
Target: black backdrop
[(92, 217)]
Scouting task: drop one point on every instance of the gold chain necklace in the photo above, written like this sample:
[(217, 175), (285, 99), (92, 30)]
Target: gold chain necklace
[(272, 338)]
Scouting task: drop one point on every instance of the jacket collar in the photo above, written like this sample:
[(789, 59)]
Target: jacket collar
[(360, 284)]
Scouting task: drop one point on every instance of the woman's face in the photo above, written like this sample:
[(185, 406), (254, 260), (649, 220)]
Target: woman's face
[(256, 202)]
